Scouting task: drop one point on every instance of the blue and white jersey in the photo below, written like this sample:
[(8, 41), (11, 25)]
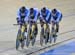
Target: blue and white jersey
[(35, 15), (23, 16), (57, 17), (47, 16)]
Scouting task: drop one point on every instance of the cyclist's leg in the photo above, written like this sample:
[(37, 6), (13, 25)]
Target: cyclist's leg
[(36, 29), (25, 31), (30, 30), (57, 23), (48, 31), (61, 17), (57, 27), (42, 27), (52, 37), (53, 25)]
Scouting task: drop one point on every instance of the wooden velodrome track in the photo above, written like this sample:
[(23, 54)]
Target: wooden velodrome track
[(8, 11)]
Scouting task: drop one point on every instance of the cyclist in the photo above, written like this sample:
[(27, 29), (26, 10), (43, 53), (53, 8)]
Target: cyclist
[(33, 17), (56, 17), (45, 17), (22, 18)]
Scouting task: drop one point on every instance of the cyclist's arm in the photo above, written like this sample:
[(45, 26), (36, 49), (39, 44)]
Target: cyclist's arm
[(59, 16), (36, 16), (27, 16), (48, 15)]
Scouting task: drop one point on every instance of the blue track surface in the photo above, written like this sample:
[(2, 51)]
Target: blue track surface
[(66, 49)]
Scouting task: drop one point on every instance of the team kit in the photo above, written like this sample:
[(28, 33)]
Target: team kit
[(27, 20)]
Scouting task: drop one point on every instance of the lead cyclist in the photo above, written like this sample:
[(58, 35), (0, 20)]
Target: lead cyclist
[(22, 19)]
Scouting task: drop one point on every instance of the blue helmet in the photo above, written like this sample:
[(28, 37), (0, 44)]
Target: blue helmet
[(31, 10), (32, 13), (43, 10), (22, 9), (54, 11)]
